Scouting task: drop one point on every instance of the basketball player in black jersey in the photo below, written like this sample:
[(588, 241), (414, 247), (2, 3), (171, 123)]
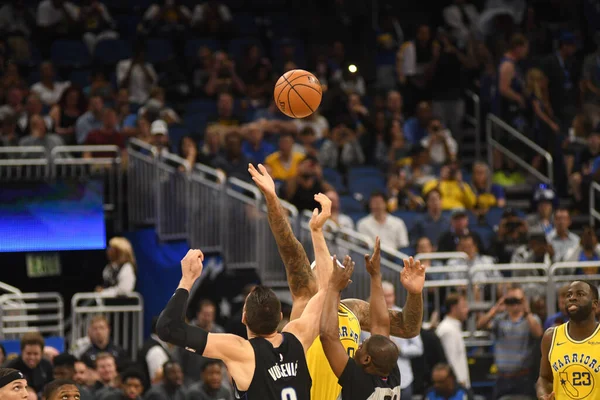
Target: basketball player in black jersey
[(268, 366)]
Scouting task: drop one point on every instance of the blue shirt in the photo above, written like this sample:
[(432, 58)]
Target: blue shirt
[(258, 155), (426, 226), (595, 165), (413, 132), (460, 394), (84, 125), (556, 319)]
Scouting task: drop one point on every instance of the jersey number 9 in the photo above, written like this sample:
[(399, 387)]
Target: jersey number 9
[(288, 394)]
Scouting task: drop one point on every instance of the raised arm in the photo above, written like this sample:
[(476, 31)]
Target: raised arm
[(544, 385), (380, 319), (329, 325), (300, 278), (405, 323)]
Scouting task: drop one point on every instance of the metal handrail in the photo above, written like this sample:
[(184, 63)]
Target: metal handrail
[(594, 214), (475, 120), (9, 288), (493, 144)]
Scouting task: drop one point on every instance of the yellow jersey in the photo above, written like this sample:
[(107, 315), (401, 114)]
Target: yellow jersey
[(575, 365), (324, 382)]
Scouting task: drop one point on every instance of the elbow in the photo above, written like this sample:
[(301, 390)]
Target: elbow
[(164, 328)]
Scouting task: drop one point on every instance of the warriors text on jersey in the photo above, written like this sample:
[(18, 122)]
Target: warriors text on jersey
[(325, 383), (575, 365), (280, 373)]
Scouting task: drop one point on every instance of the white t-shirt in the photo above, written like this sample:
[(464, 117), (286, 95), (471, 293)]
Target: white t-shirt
[(48, 15), (198, 15), (392, 232), (139, 86), (450, 333), (50, 96), (436, 151), (319, 124)]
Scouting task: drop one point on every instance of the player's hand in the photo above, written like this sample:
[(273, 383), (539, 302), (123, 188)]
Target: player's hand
[(373, 262), (319, 218), (191, 265), (262, 179), (413, 276), (340, 277), (500, 306), (547, 396)]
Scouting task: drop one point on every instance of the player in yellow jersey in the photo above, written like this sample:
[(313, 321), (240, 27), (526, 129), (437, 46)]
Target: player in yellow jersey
[(353, 314), (570, 367)]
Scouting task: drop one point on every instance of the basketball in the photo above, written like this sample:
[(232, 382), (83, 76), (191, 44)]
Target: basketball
[(298, 93)]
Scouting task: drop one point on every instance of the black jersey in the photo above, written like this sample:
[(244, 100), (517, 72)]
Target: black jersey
[(280, 373)]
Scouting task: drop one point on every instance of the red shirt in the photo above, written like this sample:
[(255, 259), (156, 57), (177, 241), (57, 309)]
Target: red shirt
[(104, 137)]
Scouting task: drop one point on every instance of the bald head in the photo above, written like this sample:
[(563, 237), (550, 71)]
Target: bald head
[(383, 352)]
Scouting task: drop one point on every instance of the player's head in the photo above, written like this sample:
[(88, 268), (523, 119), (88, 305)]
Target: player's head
[(581, 301), (377, 355), (13, 385), (262, 311), (61, 389)]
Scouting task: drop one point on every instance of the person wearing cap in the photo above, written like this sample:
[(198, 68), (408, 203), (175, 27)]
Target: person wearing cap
[(13, 385), (159, 133), (544, 199), (562, 78), (459, 226)]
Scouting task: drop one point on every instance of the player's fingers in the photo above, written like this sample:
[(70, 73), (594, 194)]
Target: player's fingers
[(405, 261), (262, 169)]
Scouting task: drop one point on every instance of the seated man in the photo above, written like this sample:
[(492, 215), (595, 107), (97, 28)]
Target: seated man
[(37, 370), (98, 341), (445, 386)]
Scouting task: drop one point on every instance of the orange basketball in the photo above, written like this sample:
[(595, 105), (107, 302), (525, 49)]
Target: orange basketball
[(298, 93)]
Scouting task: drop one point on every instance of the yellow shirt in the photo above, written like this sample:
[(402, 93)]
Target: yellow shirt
[(281, 171), (453, 195), (575, 365), (324, 382)]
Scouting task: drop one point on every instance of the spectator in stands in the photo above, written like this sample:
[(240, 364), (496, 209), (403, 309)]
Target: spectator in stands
[(107, 135), (419, 171), (167, 18), (316, 122), (284, 163), (487, 194), (511, 233), (212, 18), (515, 329), (39, 136), (433, 354), (271, 113), (17, 20), (538, 251), (36, 370), (394, 104), (99, 343), (468, 244), (211, 147), (392, 149), (341, 220), (543, 201), (90, 120), (300, 190), (391, 230), (462, 18), (64, 368), (561, 316), (101, 86), (342, 150), (225, 116), (415, 128), (445, 385), (132, 387), (439, 142), (211, 385), (137, 75), (588, 248), (582, 175), (2, 354), (47, 88), (97, 24), (415, 62), (119, 275), (108, 379), (560, 238), (459, 226), (33, 106), (400, 194), (156, 106), (12, 77), (563, 79), (159, 137), (153, 355), (8, 132), (307, 142), (433, 223), (259, 84), (510, 103), (545, 129), (255, 148), (171, 388), (192, 363), (455, 192), (232, 161), (55, 19), (450, 333), (66, 112), (84, 376), (14, 103), (223, 77)]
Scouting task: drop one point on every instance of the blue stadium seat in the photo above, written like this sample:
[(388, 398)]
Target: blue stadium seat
[(409, 251), (366, 185), (80, 77), (111, 51), (192, 46), (127, 24), (176, 133), (334, 178), (349, 204), (239, 45), (158, 50), (70, 53), (409, 217), (362, 172), (245, 24), (357, 216), (486, 233), (195, 123), (282, 24), (202, 106)]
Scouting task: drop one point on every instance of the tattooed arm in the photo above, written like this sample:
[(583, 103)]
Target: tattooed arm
[(301, 280)]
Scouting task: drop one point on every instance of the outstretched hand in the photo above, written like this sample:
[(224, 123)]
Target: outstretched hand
[(191, 265), (413, 276), (319, 218), (263, 180), (373, 262), (340, 278)]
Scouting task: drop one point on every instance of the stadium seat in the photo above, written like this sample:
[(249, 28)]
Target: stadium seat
[(176, 133), (201, 106), (349, 204), (158, 50), (245, 24), (127, 25), (70, 53), (486, 233), (111, 51), (192, 46), (357, 216), (80, 78), (409, 251), (362, 172), (282, 24), (195, 123), (409, 217), (366, 185), (239, 45), (334, 178)]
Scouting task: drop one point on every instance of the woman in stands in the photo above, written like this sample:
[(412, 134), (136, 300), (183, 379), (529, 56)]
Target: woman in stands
[(487, 194), (120, 274), (64, 114)]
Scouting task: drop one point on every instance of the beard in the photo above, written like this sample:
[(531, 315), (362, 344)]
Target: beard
[(581, 314)]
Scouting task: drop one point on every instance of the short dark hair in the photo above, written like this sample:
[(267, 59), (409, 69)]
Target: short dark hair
[(593, 288), (468, 236), (205, 302), (64, 360), (32, 339), (210, 362), (132, 373), (444, 366), (53, 386), (384, 354), (378, 193), (286, 134), (263, 310), (451, 300), (517, 40), (434, 190)]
